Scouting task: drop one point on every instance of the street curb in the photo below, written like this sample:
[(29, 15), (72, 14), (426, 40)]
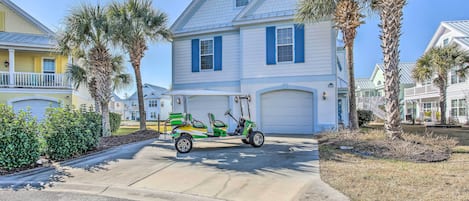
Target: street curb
[(127, 192)]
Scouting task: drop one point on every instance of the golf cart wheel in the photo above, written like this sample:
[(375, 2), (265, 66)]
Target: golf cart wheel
[(256, 139), (245, 141), (183, 144)]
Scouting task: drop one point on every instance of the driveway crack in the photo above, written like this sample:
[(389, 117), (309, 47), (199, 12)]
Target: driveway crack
[(224, 185), (154, 172)]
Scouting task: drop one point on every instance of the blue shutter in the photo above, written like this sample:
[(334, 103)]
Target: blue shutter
[(270, 46), (218, 53), (299, 43), (195, 55)]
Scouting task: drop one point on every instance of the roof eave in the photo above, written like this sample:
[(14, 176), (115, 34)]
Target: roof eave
[(203, 31), (262, 20)]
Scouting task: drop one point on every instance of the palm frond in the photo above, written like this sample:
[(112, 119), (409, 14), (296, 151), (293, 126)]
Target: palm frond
[(315, 10), (77, 75)]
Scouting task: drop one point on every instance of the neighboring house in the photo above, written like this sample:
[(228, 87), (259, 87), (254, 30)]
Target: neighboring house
[(32, 72), (156, 103), (370, 91), (117, 105), (423, 100), (254, 47)]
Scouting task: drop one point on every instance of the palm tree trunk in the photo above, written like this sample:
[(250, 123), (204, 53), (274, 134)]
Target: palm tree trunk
[(141, 103), (97, 106), (353, 116), (391, 13), (106, 123), (442, 100)]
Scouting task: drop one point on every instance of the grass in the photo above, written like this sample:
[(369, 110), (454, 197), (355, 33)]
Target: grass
[(130, 127), (374, 178)]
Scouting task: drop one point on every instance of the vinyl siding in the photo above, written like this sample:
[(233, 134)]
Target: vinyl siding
[(15, 23), (212, 12), (270, 6), (318, 50), (182, 61)]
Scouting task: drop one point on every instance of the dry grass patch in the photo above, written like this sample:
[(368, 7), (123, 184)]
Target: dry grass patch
[(379, 169)]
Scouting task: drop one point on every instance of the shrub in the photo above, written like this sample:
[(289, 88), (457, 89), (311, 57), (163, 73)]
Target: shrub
[(115, 121), (69, 133), (364, 117), (19, 144)]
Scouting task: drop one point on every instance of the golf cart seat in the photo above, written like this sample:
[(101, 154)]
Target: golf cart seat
[(195, 123), (216, 123)]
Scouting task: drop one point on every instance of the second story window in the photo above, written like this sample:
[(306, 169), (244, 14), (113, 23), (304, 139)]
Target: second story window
[(455, 78), (241, 3), (206, 54), (48, 65), (285, 44), (445, 42), (153, 103)]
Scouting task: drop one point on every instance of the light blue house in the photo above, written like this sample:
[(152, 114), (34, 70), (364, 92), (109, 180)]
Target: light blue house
[(293, 73)]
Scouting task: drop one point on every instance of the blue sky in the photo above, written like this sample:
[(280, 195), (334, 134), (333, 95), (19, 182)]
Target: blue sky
[(421, 19)]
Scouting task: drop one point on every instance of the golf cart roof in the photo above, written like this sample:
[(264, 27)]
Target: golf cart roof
[(202, 92)]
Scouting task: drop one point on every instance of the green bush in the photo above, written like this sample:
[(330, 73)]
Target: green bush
[(115, 121), (364, 117), (70, 133), (19, 144)]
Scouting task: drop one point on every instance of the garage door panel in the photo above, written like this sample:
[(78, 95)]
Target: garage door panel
[(200, 106), (287, 111), (36, 107)]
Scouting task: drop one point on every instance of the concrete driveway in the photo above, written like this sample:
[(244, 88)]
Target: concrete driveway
[(285, 168)]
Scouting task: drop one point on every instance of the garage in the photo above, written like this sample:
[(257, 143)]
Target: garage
[(200, 106), (37, 106), (287, 112)]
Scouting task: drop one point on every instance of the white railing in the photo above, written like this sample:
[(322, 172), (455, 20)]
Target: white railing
[(373, 104), (35, 80), (420, 91)]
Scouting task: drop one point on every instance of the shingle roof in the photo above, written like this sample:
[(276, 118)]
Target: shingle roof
[(461, 25), (27, 40), (364, 83), (405, 70)]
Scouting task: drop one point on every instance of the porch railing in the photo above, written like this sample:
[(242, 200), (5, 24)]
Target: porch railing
[(426, 90), (34, 80)]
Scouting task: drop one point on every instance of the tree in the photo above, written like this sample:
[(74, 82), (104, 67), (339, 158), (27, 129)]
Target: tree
[(391, 14), (80, 74), (436, 64), (87, 32), (138, 23), (347, 18)]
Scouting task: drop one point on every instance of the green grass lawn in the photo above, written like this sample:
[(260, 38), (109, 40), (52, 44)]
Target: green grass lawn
[(128, 129), (125, 131)]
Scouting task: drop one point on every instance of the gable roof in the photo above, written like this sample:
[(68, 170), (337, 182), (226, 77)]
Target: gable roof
[(220, 15), (26, 16), (460, 27), (149, 92), (405, 72), (364, 83)]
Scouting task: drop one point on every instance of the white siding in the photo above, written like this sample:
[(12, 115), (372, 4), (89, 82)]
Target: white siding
[(182, 61), (318, 51), (270, 6), (213, 12)]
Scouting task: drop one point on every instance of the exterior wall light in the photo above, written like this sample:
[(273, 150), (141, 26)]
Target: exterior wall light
[(331, 85), (324, 95), (178, 100), (236, 99), (6, 63)]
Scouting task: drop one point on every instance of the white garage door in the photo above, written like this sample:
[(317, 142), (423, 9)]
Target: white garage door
[(200, 106), (287, 112), (37, 107)]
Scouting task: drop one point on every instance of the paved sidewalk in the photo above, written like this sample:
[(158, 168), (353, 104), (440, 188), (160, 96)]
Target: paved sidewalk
[(283, 169)]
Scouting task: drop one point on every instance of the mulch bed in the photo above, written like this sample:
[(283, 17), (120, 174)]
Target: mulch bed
[(104, 143)]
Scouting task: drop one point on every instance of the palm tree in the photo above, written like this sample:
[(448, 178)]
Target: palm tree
[(347, 18), (391, 14), (436, 64), (80, 74), (87, 31), (138, 23)]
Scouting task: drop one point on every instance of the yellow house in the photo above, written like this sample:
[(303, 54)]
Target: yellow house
[(31, 71)]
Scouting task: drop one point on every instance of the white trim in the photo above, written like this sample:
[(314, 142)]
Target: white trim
[(213, 55), (239, 7), (51, 58), (14, 100), (36, 91)]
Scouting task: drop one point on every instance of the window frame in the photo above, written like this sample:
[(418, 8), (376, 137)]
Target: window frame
[(277, 28), (458, 79), (202, 55), (152, 103), (55, 65), (460, 105), (235, 2)]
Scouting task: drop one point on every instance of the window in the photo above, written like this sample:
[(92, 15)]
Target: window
[(445, 42), (153, 103), (285, 44), (162, 103), (206, 54), (458, 107), (241, 3), (48, 65), (427, 107), (153, 115), (134, 104), (379, 83), (455, 78)]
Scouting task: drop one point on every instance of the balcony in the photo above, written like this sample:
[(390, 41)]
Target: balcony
[(426, 91), (34, 80)]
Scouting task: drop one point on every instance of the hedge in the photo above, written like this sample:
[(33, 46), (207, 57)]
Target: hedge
[(19, 144), (115, 121), (364, 117)]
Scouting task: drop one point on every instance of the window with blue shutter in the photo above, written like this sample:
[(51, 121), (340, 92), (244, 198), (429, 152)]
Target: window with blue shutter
[(195, 55), (299, 43), (218, 46), (270, 46)]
